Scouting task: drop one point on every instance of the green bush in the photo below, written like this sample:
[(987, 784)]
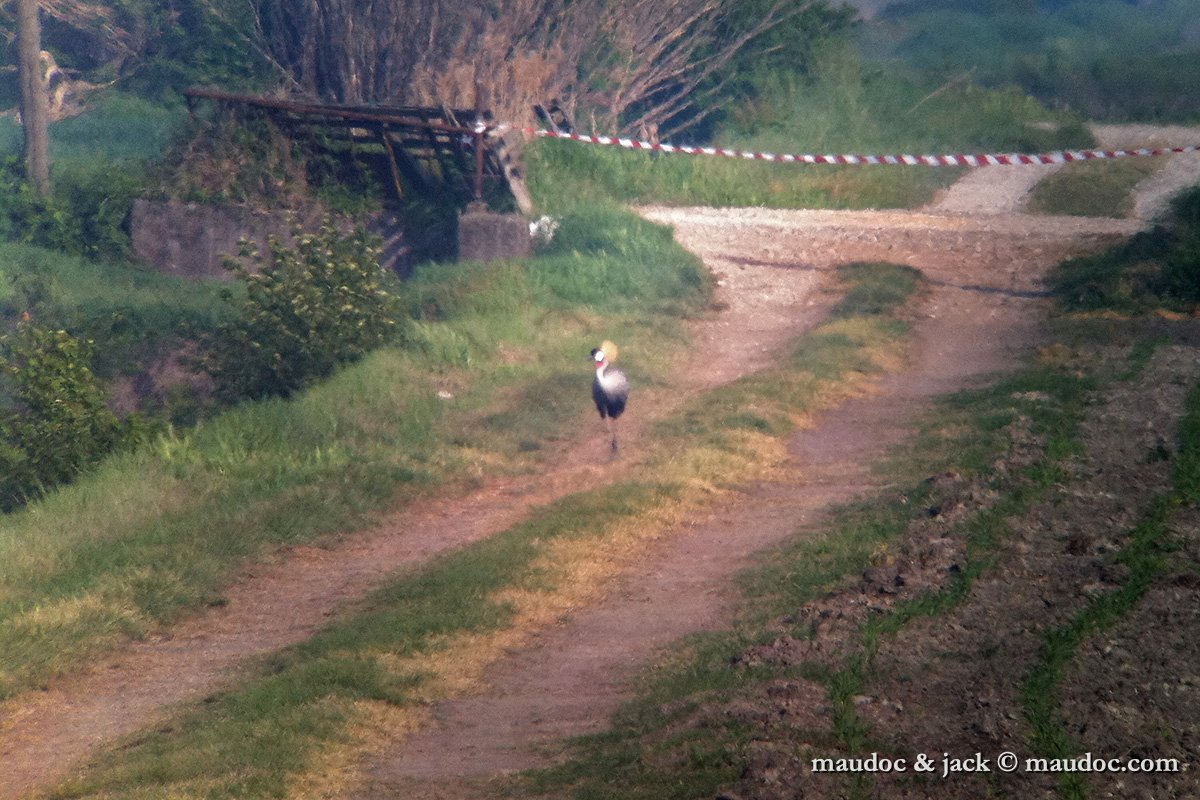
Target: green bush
[(322, 303), (61, 424)]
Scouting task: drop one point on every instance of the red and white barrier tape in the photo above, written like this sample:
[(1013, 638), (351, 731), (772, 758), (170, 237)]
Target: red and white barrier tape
[(954, 160)]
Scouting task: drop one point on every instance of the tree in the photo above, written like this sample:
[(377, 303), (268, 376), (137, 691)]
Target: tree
[(625, 65), (35, 103)]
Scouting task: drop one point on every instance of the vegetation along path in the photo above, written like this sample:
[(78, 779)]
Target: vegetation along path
[(772, 267)]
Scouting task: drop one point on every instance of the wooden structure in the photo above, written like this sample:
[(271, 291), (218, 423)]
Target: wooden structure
[(428, 150)]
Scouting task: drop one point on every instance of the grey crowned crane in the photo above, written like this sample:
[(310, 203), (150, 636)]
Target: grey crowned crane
[(610, 390)]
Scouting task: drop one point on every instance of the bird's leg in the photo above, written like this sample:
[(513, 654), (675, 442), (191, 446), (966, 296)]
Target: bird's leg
[(613, 429)]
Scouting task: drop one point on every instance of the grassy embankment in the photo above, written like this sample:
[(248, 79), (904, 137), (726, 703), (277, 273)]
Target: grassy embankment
[(82, 278)]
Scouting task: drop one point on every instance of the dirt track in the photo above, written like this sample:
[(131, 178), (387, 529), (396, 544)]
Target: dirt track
[(980, 317), (772, 265)]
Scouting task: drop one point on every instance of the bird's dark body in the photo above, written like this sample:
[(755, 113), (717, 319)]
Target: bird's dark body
[(609, 406), (610, 390)]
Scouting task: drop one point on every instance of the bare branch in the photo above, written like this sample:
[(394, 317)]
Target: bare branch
[(627, 63)]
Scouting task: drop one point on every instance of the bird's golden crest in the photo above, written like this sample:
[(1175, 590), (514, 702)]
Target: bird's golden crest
[(610, 350)]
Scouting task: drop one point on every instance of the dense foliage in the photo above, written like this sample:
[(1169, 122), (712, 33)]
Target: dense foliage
[(86, 214), (60, 424), (311, 307)]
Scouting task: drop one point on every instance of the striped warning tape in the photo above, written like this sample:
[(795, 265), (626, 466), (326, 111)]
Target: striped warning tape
[(954, 160)]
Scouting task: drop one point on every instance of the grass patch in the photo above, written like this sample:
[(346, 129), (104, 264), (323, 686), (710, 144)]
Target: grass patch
[(118, 130), (429, 635), (1092, 188), (874, 291)]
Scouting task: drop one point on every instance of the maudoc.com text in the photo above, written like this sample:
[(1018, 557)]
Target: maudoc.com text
[(947, 765)]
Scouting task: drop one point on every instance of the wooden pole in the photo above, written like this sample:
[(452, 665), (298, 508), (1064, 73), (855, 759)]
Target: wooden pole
[(479, 129), (35, 104)]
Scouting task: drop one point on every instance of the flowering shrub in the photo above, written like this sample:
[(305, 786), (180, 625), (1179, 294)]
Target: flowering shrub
[(322, 303)]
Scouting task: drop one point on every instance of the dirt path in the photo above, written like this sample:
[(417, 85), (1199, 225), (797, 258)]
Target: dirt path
[(989, 190), (772, 266), (980, 317)]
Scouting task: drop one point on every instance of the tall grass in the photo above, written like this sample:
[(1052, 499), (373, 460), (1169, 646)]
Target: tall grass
[(33, 278)]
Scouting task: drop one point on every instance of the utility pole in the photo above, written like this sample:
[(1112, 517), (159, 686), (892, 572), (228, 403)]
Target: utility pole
[(35, 103)]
